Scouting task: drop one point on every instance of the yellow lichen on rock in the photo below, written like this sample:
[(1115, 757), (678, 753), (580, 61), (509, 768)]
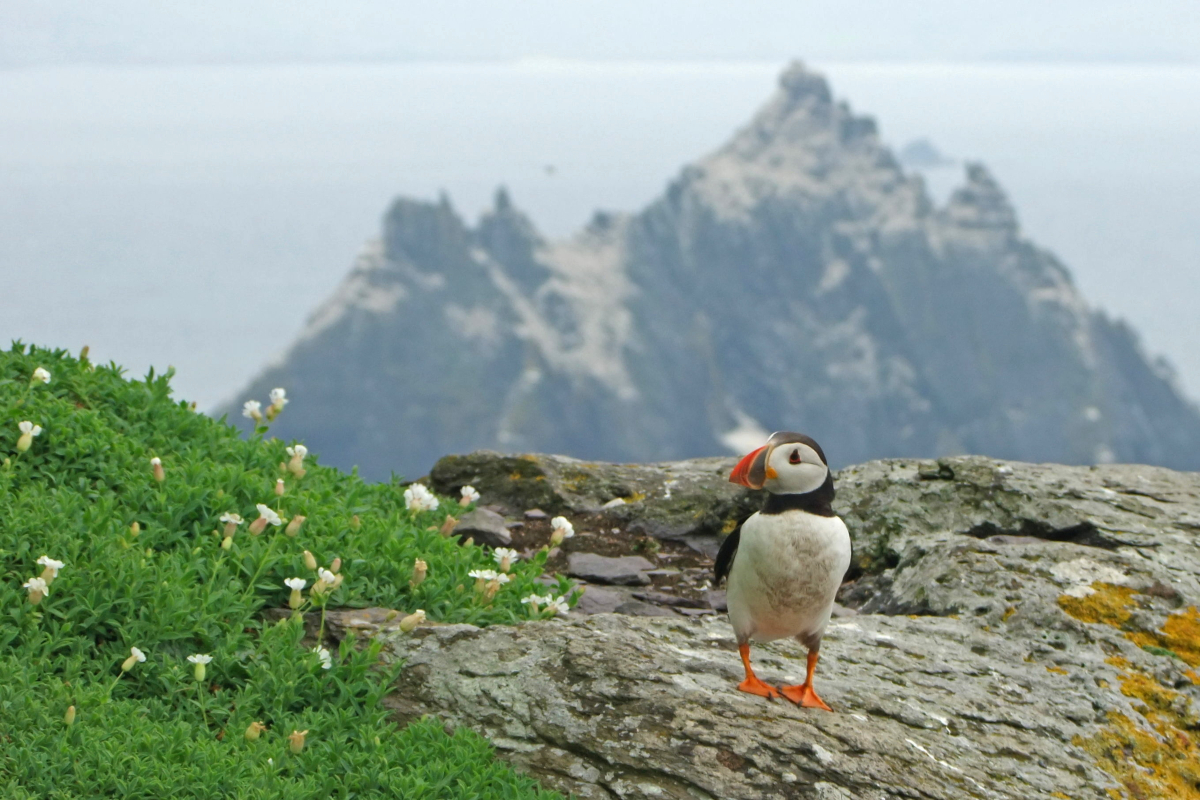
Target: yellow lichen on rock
[(1108, 603), (1163, 761)]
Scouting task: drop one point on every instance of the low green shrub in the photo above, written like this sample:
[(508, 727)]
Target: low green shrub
[(147, 566)]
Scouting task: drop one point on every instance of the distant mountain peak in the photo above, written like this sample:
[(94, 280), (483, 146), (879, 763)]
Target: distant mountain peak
[(795, 278)]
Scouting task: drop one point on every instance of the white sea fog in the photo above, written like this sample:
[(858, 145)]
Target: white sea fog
[(194, 215)]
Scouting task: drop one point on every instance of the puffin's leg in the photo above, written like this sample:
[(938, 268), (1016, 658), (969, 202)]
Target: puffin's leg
[(804, 694), (752, 684)]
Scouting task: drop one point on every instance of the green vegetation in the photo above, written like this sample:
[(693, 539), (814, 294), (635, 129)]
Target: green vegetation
[(145, 567)]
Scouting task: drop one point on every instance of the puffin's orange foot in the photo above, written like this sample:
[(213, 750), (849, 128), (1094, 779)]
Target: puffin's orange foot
[(803, 695), (753, 685)]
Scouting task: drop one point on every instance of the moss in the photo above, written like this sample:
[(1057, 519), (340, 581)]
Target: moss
[(1160, 761)]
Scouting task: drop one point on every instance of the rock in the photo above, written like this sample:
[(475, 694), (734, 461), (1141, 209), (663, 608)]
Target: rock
[(1057, 662), (485, 526), (639, 608), (535, 513), (664, 599), (598, 600), (624, 570), (691, 501), (716, 599)]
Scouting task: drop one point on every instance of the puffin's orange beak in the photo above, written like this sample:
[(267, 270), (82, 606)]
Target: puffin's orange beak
[(752, 470)]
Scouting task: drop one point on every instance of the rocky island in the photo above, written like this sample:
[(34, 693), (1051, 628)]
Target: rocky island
[(797, 277)]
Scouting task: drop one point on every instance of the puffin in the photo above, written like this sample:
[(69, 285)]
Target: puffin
[(785, 563)]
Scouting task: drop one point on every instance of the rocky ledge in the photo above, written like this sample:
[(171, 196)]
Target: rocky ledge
[(1021, 631)]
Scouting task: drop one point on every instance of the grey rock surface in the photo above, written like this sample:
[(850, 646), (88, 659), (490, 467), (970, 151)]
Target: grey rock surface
[(622, 570), (600, 600), (640, 608), (1024, 631), (485, 527), (798, 276)]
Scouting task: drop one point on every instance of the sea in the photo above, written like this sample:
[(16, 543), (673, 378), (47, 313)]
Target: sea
[(193, 216)]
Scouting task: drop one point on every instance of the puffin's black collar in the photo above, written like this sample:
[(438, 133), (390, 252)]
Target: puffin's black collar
[(819, 501)]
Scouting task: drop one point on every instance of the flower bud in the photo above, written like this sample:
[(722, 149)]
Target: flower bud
[(279, 488), (556, 538), (83, 354), (295, 600), (135, 528), (227, 543), (198, 671), (293, 527), (489, 590), (336, 565), (418, 573), (296, 741), (258, 526), (355, 523), (159, 474), (412, 620), (254, 730), (310, 561), (448, 526), (337, 581), (69, 717)]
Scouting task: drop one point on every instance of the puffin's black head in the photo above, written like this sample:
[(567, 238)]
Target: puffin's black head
[(789, 463)]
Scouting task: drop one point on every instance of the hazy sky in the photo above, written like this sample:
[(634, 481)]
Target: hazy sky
[(273, 30)]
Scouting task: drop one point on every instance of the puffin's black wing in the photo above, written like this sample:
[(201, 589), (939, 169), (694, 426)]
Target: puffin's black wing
[(725, 555)]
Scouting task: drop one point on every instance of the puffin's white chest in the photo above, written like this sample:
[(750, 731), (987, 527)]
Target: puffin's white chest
[(786, 573)]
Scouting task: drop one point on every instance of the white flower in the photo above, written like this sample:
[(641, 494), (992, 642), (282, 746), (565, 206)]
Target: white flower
[(136, 656), (505, 556), (326, 576), (295, 584), (51, 565), (28, 427), (279, 397), (469, 495), (36, 585), (229, 516), (535, 599), (484, 574), (325, 656), (561, 529), (267, 513), (252, 409), (298, 450), (200, 660), (501, 578), (40, 374), (557, 605), (418, 498)]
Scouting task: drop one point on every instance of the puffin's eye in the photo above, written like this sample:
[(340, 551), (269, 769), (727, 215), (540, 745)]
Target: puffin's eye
[(794, 458)]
